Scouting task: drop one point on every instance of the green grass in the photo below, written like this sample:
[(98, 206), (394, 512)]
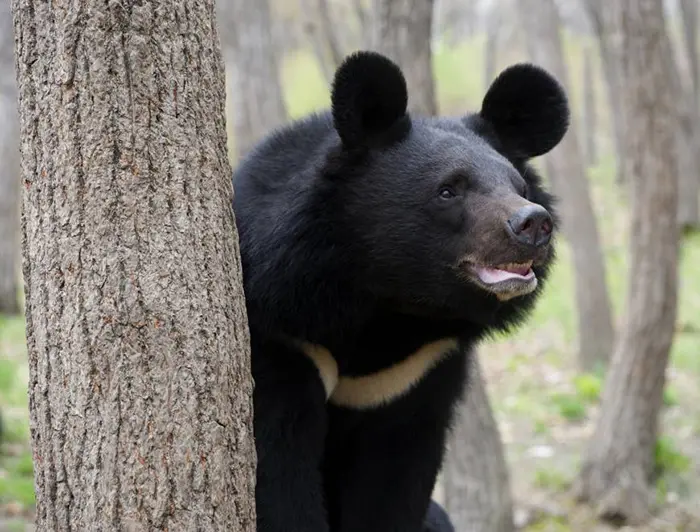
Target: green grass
[(549, 523), (686, 346), (18, 488), (569, 406), (588, 387), (15, 430), (671, 397), (541, 427), (16, 470), (550, 479), (668, 458), (13, 363)]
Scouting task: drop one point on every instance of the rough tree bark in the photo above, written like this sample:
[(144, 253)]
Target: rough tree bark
[(9, 170), (403, 32), (568, 177), (689, 130), (589, 108), (139, 385), (475, 474), (256, 93), (602, 17), (619, 459)]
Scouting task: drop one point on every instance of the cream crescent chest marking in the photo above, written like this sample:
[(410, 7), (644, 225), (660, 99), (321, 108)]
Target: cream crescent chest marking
[(325, 363), (382, 387)]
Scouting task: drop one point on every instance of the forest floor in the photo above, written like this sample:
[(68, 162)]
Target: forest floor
[(545, 408)]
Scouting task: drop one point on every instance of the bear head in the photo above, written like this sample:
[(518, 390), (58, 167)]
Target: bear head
[(452, 222), (368, 207)]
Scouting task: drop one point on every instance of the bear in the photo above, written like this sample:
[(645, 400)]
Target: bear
[(377, 249)]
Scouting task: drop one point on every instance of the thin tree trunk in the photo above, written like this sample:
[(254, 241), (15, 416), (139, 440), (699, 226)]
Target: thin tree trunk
[(493, 25), (363, 20), (403, 32), (689, 17), (139, 383), (569, 180), (312, 28), (688, 150), (601, 14), (258, 104), (475, 479), (619, 459), (689, 132), (9, 170), (330, 32), (589, 108)]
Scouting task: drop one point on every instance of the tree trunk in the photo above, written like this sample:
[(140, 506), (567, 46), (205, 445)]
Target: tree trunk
[(403, 32), (689, 17), (689, 131), (9, 170), (589, 108), (602, 16), (475, 481), (619, 459), (258, 105), (688, 150), (312, 28), (139, 385), (323, 33), (569, 181), (493, 25), (330, 31), (363, 19)]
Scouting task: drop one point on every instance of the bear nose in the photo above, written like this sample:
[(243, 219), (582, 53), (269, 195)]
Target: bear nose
[(531, 225)]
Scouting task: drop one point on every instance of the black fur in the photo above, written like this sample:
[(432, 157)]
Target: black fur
[(437, 519), (527, 126), (355, 226), (369, 99)]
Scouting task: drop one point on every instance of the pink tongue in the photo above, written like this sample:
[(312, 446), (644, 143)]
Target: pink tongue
[(493, 275)]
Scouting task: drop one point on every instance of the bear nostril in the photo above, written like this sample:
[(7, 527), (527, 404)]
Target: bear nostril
[(546, 228), (531, 225)]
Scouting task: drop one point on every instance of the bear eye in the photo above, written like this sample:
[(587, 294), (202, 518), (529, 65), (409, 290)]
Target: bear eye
[(447, 193)]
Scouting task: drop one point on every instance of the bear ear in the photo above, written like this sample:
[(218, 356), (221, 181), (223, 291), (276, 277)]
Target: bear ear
[(528, 109), (368, 97)]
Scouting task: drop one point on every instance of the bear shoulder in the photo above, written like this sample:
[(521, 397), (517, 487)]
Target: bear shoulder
[(286, 152)]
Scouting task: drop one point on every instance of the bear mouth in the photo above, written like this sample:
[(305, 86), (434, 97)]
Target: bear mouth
[(505, 281)]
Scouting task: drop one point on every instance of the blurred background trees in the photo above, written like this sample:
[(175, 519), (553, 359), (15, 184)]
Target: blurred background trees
[(403, 32), (589, 416), (257, 102), (619, 462), (9, 170), (566, 168)]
